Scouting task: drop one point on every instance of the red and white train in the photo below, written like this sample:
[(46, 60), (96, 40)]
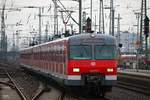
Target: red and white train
[(79, 60), (130, 61)]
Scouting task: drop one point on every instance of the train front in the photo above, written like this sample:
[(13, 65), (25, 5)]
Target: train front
[(92, 60)]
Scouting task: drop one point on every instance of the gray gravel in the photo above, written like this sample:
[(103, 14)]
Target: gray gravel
[(123, 94), (116, 94)]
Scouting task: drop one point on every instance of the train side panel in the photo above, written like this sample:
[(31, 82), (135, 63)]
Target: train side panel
[(49, 59)]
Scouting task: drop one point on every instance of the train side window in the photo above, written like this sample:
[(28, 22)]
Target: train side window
[(46, 55), (52, 56)]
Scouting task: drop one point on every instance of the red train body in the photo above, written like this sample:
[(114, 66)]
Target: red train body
[(75, 61)]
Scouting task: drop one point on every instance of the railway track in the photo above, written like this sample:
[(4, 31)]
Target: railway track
[(68, 93), (77, 94), (16, 86), (71, 96), (26, 86), (16, 78), (76, 97), (135, 82)]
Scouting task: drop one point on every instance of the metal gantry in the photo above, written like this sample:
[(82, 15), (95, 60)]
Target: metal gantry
[(91, 12), (118, 28), (111, 23), (142, 27), (143, 14), (66, 19), (55, 16), (101, 17), (80, 16)]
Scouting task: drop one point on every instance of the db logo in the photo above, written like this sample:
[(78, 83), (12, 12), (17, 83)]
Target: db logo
[(93, 63)]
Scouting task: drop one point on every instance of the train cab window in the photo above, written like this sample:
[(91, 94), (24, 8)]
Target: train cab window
[(105, 52), (81, 52)]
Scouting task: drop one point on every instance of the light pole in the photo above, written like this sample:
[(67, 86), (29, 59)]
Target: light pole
[(91, 13), (80, 16), (137, 41), (101, 17), (112, 17), (55, 17), (39, 25), (111, 24), (118, 28)]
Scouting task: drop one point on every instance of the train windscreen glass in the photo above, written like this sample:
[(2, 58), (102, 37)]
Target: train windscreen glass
[(105, 52), (81, 52)]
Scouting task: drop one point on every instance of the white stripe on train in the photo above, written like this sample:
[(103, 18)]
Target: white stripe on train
[(74, 77), (111, 77)]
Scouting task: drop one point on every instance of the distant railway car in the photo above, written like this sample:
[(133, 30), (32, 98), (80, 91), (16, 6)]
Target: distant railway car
[(79, 60), (127, 61), (147, 60), (130, 61)]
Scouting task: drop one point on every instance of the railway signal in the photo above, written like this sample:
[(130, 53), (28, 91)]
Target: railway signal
[(146, 26), (88, 25)]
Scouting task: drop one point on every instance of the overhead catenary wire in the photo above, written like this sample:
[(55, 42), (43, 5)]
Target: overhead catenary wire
[(64, 8)]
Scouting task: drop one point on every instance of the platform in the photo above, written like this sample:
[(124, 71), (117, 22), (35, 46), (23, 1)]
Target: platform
[(135, 71)]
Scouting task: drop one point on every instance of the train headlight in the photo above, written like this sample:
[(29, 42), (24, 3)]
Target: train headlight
[(92, 35), (76, 69), (110, 69)]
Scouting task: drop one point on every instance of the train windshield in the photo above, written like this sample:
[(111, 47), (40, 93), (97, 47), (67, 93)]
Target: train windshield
[(105, 52), (81, 52)]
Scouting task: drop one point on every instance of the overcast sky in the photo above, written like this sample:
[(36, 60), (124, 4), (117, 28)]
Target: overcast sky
[(29, 19), (28, 16)]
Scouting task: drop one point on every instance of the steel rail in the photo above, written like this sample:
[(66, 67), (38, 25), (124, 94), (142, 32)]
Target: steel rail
[(5, 83), (14, 85), (41, 90), (137, 83), (17, 88), (133, 87)]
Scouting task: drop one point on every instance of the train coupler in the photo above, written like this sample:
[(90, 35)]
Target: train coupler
[(92, 78)]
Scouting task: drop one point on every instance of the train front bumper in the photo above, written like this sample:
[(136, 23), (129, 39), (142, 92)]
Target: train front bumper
[(109, 80)]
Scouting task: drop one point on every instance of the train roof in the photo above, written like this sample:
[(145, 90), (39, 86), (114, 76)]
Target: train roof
[(95, 38), (77, 38), (56, 40), (87, 35)]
